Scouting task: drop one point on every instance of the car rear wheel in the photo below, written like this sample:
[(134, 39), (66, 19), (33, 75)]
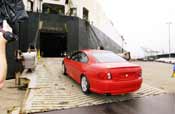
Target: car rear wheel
[(85, 85), (63, 69)]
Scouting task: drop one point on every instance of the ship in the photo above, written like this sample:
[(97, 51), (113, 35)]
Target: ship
[(56, 27)]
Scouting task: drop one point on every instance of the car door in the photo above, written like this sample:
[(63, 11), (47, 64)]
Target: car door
[(80, 65), (72, 63)]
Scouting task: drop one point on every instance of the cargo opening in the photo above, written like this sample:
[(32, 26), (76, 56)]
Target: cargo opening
[(53, 9), (53, 44)]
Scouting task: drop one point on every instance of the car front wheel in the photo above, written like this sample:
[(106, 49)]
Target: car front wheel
[(85, 85)]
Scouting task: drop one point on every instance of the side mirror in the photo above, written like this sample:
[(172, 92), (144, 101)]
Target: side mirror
[(68, 56)]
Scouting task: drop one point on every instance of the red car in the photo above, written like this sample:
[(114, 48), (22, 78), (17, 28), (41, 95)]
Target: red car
[(102, 72)]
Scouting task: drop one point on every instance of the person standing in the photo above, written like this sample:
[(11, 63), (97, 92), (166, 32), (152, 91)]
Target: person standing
[(3, 61), (14, 12), (173, 75)]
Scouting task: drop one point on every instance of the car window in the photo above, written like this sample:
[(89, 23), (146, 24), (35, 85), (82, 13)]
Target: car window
[(83, 58), (75, 57), (107, 56), (80, 57)]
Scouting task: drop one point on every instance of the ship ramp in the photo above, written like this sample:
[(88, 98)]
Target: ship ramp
[(48, 89)]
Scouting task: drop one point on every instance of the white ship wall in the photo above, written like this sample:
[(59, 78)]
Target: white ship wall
[(97, 16)]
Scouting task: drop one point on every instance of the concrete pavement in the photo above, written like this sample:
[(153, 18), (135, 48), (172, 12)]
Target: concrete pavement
[(10, 97), (158, 75)]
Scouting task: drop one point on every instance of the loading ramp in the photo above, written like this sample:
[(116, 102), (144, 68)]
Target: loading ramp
[(49, 90)]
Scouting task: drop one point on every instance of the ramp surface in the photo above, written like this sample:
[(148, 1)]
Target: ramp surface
[(50, 90), (162, 104)]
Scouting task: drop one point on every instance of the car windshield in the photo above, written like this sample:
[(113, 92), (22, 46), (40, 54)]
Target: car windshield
[(105, 57)]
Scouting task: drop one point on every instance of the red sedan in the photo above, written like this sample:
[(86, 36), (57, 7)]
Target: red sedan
[(102, 72)]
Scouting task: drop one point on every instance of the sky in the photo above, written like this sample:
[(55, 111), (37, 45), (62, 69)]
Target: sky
[(143, 23)]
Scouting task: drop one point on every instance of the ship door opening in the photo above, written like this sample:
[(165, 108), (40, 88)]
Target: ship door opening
[(53, 44)]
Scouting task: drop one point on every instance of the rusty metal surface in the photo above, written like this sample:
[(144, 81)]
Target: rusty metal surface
[(162, 104)]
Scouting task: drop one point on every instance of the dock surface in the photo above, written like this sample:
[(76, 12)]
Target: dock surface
[(10, 97)]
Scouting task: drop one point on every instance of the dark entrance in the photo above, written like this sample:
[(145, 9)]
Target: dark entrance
[(53, 44)]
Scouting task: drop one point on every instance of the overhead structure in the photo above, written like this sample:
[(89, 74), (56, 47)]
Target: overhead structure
[(58, 26)]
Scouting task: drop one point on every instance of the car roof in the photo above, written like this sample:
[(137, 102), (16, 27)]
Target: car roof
[(93, 50), (90, 51)]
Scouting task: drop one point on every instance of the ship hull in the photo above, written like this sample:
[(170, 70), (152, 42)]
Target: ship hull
[(56, 34)]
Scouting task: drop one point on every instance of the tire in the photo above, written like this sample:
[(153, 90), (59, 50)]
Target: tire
[(63, 69), (85, 85)]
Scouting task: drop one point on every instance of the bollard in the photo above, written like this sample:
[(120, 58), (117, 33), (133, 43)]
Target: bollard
[(38, 55)]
